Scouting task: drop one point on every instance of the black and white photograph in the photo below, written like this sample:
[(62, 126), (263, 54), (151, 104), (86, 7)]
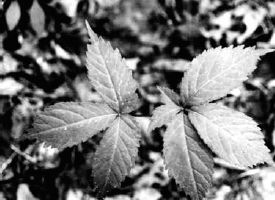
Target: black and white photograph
[(137, 100)]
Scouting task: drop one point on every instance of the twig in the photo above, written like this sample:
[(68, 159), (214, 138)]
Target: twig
[(23, 154), (7, 162), (227, 165)]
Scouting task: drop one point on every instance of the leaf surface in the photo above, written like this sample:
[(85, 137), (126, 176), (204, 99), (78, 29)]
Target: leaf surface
[(168, 96), (116, 154), (187, 158), (37, 17), (110, 76), (66, 124), (231, 135), (13, 15), (162, 115), (215, 72)]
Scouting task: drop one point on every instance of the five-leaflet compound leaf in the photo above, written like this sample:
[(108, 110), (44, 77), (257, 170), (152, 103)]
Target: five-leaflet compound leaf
[(66, 124), (194, 125), (192, 119)]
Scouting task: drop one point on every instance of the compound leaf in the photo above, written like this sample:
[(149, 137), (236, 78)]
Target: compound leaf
[(116, 154), (216, 72), (110, 76), (66, 124), (230, 134), (187, 158)]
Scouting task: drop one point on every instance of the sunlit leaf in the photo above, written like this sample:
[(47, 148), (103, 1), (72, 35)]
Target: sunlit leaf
[(215, 72), (187, 158), (13, 15), (116, 154), (37, 17), (233, 136), (66, 124), (110, 76)]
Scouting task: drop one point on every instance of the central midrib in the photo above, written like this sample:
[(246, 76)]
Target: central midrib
[(220, 74), (76, 123), (110, 77), (112, 156)]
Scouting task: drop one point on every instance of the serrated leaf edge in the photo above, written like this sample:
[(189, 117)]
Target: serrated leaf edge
[(133, 126)]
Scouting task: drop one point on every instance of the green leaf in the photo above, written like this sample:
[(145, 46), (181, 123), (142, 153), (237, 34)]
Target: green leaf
[(216, 72), (66, 124), (187, 158), (116, 154), (162, 115), (13, 15), (110, 76), (233, 136)]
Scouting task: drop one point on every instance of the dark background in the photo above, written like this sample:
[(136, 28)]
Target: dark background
[(42, 61)]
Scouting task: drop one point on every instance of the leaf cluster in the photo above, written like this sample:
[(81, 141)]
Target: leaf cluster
[(70, 123), (196, 127)]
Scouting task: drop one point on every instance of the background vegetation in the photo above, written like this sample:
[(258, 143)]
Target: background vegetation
[(42, 61)]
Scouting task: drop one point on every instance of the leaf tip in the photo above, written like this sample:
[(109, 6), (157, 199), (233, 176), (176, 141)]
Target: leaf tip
[(91, 33), (266, 160), (150, 128), (265, 51)]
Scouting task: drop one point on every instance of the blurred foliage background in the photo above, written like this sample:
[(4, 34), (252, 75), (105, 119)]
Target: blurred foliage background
[(42, 61)]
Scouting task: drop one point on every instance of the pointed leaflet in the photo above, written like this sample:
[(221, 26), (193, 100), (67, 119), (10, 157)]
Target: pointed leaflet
[(116, 154), (216, 72), (162, 115), (232, 135), (110, 76), (13, 15), (66, 124), (187, 158), (37, 17), (168, 96)]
